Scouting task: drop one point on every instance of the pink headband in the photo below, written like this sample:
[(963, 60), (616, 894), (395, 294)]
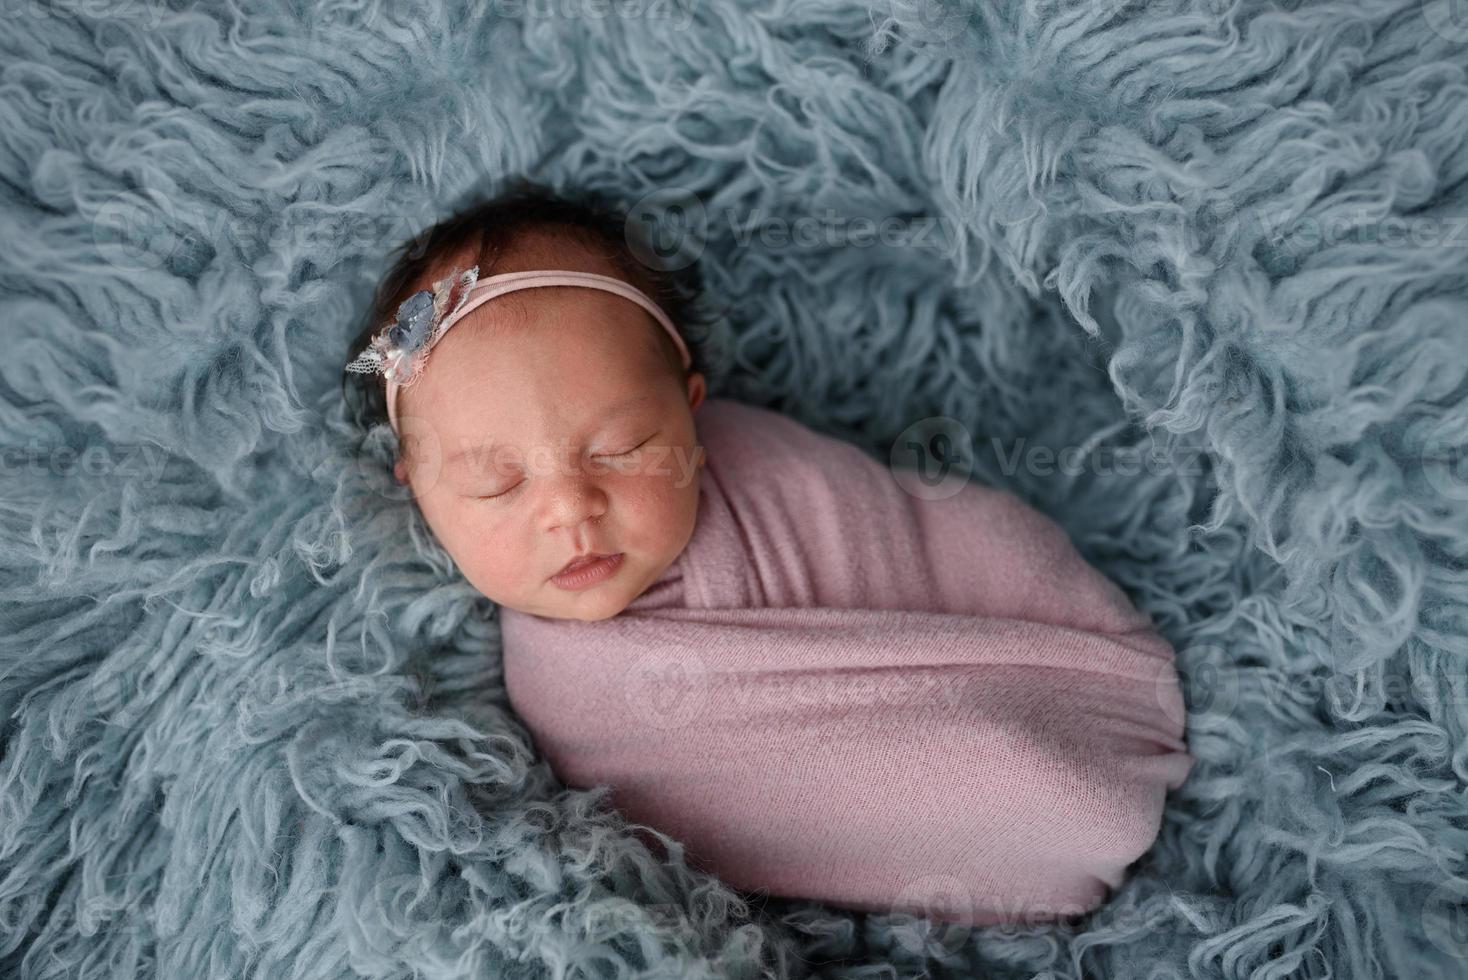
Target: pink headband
[(400, 349)]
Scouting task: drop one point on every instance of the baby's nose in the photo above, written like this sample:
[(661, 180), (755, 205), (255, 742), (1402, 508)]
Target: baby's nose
[(575, 499)]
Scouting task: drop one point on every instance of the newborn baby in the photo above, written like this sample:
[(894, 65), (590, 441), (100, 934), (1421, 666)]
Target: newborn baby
[(551, 448), (886, 703)]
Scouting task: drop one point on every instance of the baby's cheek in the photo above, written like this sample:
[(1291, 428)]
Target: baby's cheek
[(482, 552), (651, 509)]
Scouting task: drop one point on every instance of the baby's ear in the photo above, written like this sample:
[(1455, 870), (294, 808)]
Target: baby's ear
[(697, 389), (400, 471)]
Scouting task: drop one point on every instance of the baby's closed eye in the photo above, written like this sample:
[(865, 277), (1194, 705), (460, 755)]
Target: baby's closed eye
[(497, 495), (622, 452), (626, 460)]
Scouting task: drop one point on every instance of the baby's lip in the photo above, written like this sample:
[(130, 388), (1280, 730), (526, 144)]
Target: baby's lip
[(583, 559)]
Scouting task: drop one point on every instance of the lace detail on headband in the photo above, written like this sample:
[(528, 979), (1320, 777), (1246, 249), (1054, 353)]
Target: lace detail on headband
[(400, 349)]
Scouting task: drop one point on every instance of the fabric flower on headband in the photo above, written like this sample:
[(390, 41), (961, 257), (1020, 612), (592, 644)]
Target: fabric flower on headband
[(400, 349)]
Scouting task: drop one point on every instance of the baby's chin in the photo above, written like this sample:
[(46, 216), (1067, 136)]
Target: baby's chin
[(589, 609), (600, 601)]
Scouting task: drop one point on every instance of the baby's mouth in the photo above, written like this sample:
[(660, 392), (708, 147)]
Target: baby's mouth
[(583, 572), (583, 561)]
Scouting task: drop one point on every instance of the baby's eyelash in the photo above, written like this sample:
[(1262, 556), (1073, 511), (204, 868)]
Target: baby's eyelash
[(502, 493), (626, 452)]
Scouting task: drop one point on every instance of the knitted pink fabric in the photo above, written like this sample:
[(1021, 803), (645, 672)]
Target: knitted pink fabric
[(842, 692)]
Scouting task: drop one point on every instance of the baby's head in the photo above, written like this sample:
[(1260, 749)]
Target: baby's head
[(551, 422)]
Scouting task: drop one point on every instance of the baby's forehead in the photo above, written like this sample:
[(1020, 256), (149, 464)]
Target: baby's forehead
[(591, 322), (525, 249), (576, 337), (548, 312)]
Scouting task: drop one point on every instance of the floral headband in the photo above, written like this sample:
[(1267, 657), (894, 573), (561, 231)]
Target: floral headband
[(399, 351)]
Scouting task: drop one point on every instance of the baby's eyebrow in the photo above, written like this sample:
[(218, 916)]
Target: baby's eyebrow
[(486, 449)]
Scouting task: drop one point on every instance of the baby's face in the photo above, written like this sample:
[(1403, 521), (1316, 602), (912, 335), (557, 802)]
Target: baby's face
[(547, 425)]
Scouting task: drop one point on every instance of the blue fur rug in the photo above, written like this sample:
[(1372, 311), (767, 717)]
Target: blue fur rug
[(1190, 274)]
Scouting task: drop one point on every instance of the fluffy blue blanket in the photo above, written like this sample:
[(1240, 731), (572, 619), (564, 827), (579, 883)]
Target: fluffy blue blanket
[(1189, 275)]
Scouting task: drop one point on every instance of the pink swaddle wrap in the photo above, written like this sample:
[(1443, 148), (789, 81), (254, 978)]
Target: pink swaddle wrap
[(843, 692)]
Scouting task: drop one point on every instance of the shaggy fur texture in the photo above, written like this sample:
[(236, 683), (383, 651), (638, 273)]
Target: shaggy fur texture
[(251, 722)]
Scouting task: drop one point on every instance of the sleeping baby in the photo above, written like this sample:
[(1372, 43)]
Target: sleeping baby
[(818, 685)]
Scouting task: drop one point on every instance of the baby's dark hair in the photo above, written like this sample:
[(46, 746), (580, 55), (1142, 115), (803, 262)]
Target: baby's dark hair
[(585, 216)]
